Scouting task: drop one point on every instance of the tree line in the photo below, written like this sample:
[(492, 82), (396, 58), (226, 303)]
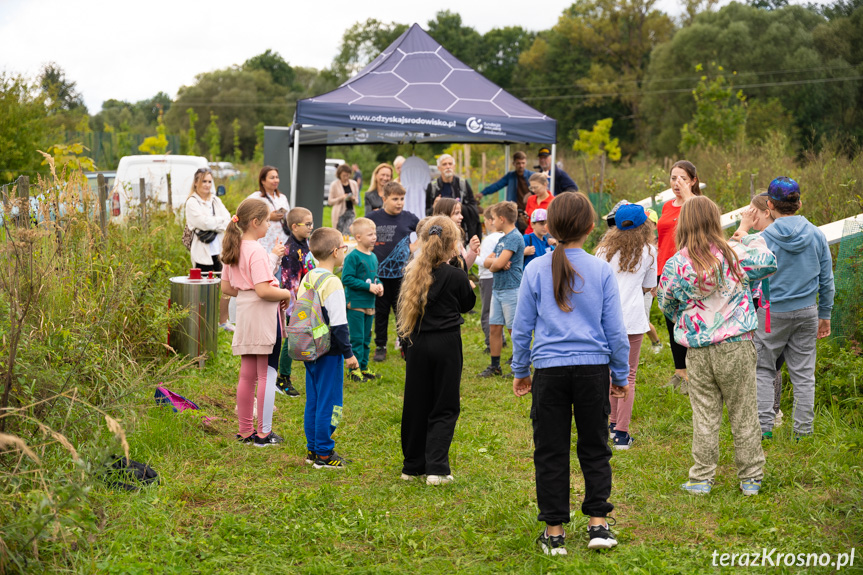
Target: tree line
[(747, 70)]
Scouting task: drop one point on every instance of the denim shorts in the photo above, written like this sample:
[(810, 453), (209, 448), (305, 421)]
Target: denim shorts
[(503, 307)]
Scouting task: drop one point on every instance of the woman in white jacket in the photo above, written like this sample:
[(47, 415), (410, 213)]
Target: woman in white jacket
[(343, 195), (205, 212)]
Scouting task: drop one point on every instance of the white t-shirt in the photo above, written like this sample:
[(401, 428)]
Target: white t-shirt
[(630, 285), (485, 249), (275, 231)]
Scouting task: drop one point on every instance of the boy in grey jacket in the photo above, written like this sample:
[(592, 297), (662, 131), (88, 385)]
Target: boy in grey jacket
[(805, 269)]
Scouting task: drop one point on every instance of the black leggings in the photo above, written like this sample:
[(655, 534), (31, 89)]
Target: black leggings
[(677, 350), (216, 266)]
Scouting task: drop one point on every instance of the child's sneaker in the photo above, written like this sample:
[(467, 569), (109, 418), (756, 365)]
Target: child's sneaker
[(750, 486), (509, 361), (552, 544), (697, 487), (777, 419), (249, 439), (601, 536), (310, 457), (357, 375), (284, 386), (622, 440), (611, 430), (331, 461), (380, 354), (270, 439), (656, 347), (370, 375), (406, 477), (439, 479), (491, 371), (766, 436)]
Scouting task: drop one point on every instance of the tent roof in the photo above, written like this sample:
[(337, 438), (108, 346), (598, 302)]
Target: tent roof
[(416, 91)]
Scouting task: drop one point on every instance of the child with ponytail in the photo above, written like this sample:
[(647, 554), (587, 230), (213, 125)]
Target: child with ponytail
[(248, 275), (569, 304), (705, 291), (433, 296)]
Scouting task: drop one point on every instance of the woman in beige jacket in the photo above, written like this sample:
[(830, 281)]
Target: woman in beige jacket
[(343, 194)]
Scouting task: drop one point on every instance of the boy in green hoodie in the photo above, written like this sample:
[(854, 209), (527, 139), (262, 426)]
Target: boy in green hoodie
[(360, 278)]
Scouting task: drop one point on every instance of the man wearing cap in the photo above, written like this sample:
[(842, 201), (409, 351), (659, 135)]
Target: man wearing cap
[(804, 271), (562, 181)]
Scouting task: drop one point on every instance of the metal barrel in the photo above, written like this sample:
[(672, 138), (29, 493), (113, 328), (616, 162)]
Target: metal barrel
[(197, 333)]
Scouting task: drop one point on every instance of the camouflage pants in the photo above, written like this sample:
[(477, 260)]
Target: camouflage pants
[(724, 373)]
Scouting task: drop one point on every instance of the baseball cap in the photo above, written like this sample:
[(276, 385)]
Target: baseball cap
[(652, 215), (543, 152), (783, 189), (629, 216), (539, 215)]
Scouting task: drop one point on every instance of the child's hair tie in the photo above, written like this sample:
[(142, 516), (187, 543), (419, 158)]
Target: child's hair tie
[(235, 219), (435, 231)]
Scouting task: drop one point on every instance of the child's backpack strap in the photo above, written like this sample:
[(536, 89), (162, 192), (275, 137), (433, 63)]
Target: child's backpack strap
[(321, 279)]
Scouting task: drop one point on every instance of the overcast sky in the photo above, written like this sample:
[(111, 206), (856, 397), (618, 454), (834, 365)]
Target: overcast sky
[(131, 50)]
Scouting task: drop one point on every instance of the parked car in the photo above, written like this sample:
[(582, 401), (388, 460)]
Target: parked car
[(224, 170), (155, 169)]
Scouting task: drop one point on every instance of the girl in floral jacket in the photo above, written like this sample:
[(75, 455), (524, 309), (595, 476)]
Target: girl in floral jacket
[(706, 290)]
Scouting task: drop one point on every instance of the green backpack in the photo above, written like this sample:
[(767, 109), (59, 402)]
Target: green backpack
[(307, 334)]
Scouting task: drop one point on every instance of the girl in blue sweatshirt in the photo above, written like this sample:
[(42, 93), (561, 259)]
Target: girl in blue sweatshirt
[(569, 304)]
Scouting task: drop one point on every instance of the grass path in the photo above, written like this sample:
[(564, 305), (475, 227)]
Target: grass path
[(229, 508)]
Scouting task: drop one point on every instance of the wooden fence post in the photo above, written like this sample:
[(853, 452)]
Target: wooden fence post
[(602, 172), (142, 189), (4, 194), (751, 186), (23, 202), (467, 161), (170, 197), (483, 170), (652, 193), (103, 199)]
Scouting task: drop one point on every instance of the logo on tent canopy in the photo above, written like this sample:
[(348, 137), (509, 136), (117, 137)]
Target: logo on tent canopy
[(473, 125), (361, 135)]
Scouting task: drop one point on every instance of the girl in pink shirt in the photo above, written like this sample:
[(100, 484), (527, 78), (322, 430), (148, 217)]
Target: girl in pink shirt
[(248, 275)]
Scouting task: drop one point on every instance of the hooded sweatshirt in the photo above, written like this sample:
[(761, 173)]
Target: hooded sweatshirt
[(706, 310), (805, 266)]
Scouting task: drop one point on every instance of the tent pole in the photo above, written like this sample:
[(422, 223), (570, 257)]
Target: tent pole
[(294, 168), (501, 194), (553, 166)]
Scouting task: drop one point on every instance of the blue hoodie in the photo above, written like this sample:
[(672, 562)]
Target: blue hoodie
[(593, 333), (805, 266)]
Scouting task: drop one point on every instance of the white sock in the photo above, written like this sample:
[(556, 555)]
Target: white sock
[(269, 401)]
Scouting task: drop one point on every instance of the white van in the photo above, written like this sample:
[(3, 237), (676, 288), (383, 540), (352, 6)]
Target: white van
[(155, 169)]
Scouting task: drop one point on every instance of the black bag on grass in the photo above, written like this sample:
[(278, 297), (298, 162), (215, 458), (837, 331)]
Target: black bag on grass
[(129, 475)]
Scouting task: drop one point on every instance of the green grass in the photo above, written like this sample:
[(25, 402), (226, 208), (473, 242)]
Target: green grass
[(225, 507)]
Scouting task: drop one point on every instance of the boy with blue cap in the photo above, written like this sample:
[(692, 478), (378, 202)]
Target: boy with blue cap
[(805, 270), (538, 242)]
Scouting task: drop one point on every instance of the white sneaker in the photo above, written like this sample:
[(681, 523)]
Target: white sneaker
[(777, 419), (439, 479), (406, 477), (656, 347)]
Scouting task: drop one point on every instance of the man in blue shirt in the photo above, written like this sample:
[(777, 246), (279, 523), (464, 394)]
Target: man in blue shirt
[(516, 182)]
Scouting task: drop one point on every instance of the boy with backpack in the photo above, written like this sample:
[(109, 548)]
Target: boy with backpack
[(804, 270), (323, 311)]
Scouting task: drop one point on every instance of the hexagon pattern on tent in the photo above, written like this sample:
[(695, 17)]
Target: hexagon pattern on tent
[(417, 91)]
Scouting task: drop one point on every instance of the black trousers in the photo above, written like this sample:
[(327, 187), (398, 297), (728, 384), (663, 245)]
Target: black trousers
[(559, 393), (431, 405), (383, 305), (216, 266), (677, 350)]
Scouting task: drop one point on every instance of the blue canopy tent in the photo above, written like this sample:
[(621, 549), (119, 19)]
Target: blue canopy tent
[(415, 91)]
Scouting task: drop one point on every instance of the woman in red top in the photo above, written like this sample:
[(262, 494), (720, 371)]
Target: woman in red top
[(541, 197), (684, 184)]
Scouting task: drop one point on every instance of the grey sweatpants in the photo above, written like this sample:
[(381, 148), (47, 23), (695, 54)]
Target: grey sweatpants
[(793, 332)]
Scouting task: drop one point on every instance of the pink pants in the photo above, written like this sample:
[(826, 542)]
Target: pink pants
[(621, 409), (252, 368)]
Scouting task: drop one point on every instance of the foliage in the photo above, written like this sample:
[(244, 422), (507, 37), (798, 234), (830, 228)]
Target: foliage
[(192, 134), (69, 157), (157, 144), (499, 53), (213, 138), (598, 141), (273, 64), (237, 155), (22, 127), (720, 115), (258, 155), (791, 54), (361, 43)]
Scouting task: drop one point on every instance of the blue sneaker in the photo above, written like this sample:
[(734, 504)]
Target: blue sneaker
[(622, 440), (698, 487), (750, 486), (611, 430)]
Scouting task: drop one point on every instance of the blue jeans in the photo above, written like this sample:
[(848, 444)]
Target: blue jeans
[(503, 307)]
